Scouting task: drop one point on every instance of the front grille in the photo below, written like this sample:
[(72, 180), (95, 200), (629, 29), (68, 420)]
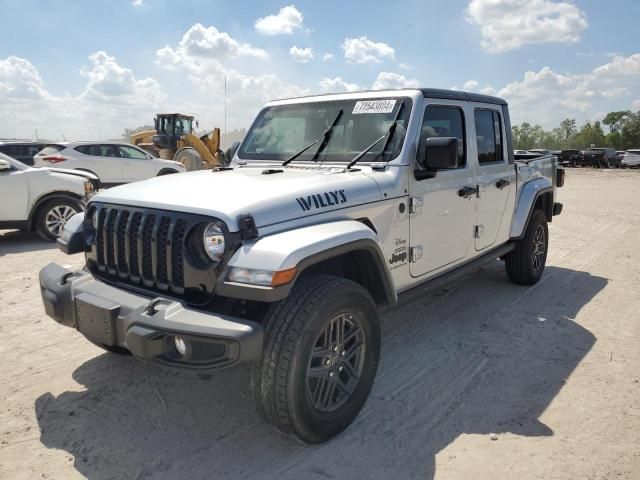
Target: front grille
[(147, 249)]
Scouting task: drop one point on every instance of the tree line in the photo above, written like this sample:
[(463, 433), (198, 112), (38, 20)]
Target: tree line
[(623, 133)]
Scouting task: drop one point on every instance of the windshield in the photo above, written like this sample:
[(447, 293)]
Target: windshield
[(14, 163), (283, 130)]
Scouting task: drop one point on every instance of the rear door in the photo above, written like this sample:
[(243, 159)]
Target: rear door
[(441, 229), (494, 174), (135, 164)]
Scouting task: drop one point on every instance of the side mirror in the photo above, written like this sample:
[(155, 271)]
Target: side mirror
[(231, 151), (440, 153), (4, 165)]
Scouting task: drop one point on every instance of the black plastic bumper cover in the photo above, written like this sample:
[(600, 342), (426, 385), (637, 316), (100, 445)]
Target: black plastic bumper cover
[(145, 326)]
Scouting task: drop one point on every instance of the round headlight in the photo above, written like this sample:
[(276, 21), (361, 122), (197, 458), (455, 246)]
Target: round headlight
[(213, 241)]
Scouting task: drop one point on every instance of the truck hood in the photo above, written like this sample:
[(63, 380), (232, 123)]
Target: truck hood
[(270, 198)]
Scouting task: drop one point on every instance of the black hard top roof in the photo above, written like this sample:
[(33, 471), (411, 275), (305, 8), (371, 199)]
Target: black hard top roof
[(458, 95)]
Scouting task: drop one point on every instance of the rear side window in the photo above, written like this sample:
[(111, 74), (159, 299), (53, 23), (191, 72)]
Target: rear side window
[(98, 150), (444, 121), (489, 136)]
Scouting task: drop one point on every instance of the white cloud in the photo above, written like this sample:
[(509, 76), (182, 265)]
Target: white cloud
[(405, 66), (198, 63), (509, 24), (302, 55), (389, 80), (337, 85), (114, 84), (327, 56), (137, 3), (287, 20), (635, 105), (363, 50), (547, 96), (112, 99), (202, 44), (474, 86)]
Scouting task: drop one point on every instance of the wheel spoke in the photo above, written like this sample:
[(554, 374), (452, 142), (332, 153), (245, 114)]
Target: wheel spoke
[(340, 326), (317, 393), (329, 391), (316, 372), (353, 349), (348, 368)]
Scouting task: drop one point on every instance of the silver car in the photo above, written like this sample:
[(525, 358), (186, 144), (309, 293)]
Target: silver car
[(631, 158), (113, 163)]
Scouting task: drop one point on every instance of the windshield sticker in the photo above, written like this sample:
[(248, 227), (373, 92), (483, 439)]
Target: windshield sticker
[(322, 200), (374, 106)]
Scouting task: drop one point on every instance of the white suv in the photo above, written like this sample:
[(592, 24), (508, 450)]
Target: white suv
[(41, 199), (631, 159), (112, 163)]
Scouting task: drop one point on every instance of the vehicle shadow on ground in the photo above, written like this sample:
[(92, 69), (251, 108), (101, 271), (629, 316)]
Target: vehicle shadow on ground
[(18, 241), (477, 357)]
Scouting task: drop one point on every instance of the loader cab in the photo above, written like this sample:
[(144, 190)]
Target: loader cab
[(170, 127)]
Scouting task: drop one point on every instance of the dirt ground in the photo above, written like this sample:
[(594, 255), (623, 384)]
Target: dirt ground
[(480, 380)]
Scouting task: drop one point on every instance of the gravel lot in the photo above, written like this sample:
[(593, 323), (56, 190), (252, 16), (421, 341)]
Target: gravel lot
[(481, 380)]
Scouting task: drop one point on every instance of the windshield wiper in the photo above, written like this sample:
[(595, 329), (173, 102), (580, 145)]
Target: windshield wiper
[(324, 139), (390, 132)]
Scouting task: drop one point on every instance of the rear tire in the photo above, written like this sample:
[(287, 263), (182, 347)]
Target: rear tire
[(190, 158), (53, 214), (525, 264), (321, 352)]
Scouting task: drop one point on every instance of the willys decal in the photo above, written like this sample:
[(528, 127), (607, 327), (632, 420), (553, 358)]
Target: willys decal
[(322, 200)]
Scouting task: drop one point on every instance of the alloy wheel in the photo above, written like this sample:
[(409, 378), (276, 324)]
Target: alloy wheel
[(57, 217), (539, 248), (336, 363)]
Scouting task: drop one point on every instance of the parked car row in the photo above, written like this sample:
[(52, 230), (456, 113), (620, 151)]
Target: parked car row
[(44, 185), (113, 163), (601, 157)]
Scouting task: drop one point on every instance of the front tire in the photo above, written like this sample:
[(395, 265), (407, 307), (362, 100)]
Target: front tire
[(525, 264), (53, 214), (190, 158), (321, 352)]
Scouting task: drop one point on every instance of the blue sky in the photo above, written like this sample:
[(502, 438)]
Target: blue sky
[(88, 69)]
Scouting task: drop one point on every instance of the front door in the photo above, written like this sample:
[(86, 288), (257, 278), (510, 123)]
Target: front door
[(441, 228), (14, 201), (135, 164), (495, 175)]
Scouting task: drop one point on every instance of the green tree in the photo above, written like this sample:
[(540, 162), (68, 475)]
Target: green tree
[(569, 129), (616, 120)]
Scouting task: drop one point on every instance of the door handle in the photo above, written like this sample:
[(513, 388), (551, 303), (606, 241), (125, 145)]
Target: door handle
[(467, 191), (503, 182)]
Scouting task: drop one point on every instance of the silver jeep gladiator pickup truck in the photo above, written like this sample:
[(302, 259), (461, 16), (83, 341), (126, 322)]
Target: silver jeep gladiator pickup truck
[(331, 207)]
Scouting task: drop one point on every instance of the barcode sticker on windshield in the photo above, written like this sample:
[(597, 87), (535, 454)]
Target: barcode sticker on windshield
[(374, 106)]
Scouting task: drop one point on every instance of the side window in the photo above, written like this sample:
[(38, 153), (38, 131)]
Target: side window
[(84, 149), (444, 121), (489, 136), (130, 152), (106, 150)]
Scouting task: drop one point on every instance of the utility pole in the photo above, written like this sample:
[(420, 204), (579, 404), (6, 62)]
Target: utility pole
[(225, 110)]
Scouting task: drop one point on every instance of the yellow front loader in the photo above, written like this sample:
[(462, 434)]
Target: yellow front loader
[(173, 139)]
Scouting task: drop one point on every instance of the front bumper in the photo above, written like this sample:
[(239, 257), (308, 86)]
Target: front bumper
[(147, 326)]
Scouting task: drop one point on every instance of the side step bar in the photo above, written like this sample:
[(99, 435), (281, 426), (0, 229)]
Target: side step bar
[(449, 276)]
